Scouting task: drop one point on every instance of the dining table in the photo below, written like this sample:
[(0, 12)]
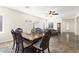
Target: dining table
[(32, 36)]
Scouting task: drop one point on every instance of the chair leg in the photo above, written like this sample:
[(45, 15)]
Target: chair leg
[(13, 45), (23, 50), (17, 48), (38, 51), (48, 50), (34, 50), (43, 51)]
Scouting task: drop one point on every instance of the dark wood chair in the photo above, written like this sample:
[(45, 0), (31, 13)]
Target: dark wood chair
[(54, 32), (14, 38), (19, 29), (43, 44), (37, 30), (19, 42), (22, 44)]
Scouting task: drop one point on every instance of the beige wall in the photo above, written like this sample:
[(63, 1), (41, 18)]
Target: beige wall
[(68, 25), (77, 25), (13, 19)]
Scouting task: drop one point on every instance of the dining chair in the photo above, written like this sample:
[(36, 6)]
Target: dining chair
[(55, 32), (14, 38), (19, 42), (22, 43), (19, 30), (43, 44), (37, 30)]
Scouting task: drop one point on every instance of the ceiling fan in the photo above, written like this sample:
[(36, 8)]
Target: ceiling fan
[(26, 6), (53, 13)]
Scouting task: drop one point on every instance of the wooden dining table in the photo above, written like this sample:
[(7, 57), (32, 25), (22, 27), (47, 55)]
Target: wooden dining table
[(32, 36)]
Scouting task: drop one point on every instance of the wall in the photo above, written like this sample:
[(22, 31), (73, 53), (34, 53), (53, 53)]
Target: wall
[(77, 24), (13, 19), (68, 25)]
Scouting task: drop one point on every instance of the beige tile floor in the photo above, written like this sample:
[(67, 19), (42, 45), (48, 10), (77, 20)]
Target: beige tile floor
[(64, 43)]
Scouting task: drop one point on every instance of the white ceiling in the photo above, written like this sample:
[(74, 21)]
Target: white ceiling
[(66, 12)]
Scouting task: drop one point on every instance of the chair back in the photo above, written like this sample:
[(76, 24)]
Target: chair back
[(19, 39), (45, 40), (13, 34), (37, 30), (18, 36), (19, 30)]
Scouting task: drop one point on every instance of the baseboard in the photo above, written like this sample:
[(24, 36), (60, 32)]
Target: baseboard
[(6, 41)]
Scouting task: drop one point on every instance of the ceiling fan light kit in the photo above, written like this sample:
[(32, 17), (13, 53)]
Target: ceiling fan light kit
[(52, 13)]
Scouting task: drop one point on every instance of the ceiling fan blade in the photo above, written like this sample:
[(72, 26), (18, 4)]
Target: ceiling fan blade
[(50, 12), (55, 14)]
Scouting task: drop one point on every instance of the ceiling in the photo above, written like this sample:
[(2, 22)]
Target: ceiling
[(66, 12)]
